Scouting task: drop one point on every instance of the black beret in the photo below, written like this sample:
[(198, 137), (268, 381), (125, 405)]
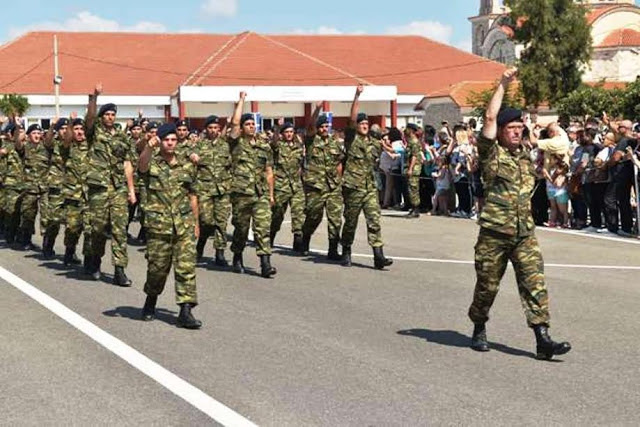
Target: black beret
[(166, 129), (181, 122), (508, 115), (361, 117), (61, 122), (10, 128), (153, 125), (286, 126), (246, 117), (135, 124), (322, 120), (107, 107), (33, 127), (194, 132), (211, 120), (77, 122), (414, 127)]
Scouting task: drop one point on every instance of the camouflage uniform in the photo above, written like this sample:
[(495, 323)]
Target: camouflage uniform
[(107, 191), (138, 184), (414, 150), (507, 234), (13, 190), (55, 199), (36, 169), (250, 193), (3, 172), (288, 190), (213, 184), (323, 185), (360, 188), (170, 228), (75, 196)]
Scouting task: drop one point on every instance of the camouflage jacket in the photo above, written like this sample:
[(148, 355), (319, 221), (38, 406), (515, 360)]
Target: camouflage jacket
[(135, 156), (56, 168), (169, 187), (414, 149), (36, 167), (185, 148), (14, 168), (249, 159), (3, 160), (509, 181), (75, 171), (287, 159), (107, 154), (362, 159), (322, 159), (214, 168)]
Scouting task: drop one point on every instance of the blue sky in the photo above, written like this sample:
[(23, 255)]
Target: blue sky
[(430, 18), (442, 20)]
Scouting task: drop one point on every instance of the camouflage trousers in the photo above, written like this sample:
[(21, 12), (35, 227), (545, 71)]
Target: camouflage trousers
[(31, 204), (214, 216), (413, 182), (244, 209), (77, 224), (492, 253), (179, 251), (55, 212), (11, 206), (356, 201), (283, 200), (316, 203), (108, 207)]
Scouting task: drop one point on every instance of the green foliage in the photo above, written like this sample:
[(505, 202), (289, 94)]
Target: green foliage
[(480, 100), (589, 101), (629, 100), (557, 40), (14, 105)]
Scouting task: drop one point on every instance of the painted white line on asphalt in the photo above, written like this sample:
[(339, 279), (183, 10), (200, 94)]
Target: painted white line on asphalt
[(457, 261), (590, 235), (192, 395)]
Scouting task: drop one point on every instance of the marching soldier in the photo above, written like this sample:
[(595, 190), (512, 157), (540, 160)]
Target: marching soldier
[(506, 226), (53, 140), (413, 166), (322, 183), (212, 156), (76, 153), (3, 170), (137, 142), (288, 157), (172, 213), (251, 189), (13, 184), (110, 182), (360, 188)]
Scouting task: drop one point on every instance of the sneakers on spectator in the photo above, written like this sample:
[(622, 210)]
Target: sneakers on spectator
[(623, 233), (591, 229)]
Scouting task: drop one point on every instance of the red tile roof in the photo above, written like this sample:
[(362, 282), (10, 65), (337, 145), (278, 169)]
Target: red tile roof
[(461, 92), (158, 64), (596, 12), (621, 38)]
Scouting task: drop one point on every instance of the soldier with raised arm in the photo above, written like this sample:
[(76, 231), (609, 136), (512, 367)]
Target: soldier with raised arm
[(506, 226)]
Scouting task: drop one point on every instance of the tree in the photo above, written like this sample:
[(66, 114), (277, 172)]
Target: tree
[(590, 101), (480, 100), (557, 44), (14, 105), (630, 100)]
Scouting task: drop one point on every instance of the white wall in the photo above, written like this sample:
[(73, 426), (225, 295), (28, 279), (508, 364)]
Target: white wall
[(124, 112), (614, 65)]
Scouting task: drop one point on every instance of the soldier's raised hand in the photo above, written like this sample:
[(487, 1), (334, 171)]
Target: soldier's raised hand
[(74, 115), (359, 89), (243, 95), (153, 142), (509, 74), (98, 89)]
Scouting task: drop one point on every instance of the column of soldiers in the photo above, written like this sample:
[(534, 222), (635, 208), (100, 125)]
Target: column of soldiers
[(92, 176)]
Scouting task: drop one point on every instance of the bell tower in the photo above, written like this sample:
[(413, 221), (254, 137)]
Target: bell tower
[(490, 10)]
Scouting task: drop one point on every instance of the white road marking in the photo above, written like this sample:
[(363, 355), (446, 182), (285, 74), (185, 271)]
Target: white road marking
[(457, 261), (192, 395)]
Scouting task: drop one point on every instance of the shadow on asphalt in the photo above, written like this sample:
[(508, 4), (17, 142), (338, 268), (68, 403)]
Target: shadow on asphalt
[(135, 313), (314, 257), (456, 339)]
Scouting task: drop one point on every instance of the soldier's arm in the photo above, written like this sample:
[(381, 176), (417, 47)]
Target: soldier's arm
[(92, 109), (147, 152), (311, 126), (128, 173), (271, 184), (355, 105), (490, 127), (48, 137), (193, 201), (19, 136), (235, 119)]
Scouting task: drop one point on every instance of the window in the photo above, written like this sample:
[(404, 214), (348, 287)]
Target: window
[(270, 123)]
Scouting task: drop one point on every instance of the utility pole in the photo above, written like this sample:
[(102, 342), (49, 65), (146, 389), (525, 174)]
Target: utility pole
[(57, 79)]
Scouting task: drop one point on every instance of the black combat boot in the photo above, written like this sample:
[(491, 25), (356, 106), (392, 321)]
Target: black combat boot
[(272, 238), (546, 348), (333, 254), (238, 265), (306, 240), (149, 309), (479, 339), (379, 260), (220, 260), (94, 267), (22, 240), (70, 257), (297, 243), (10, 234), (120, 278), (266, 270), (414, 213), (346, 256), (142, 236), (186, 319), (47, 247), (202, 241)]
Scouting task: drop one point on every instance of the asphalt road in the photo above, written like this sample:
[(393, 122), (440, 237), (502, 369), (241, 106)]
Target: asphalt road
[(324, 345)]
